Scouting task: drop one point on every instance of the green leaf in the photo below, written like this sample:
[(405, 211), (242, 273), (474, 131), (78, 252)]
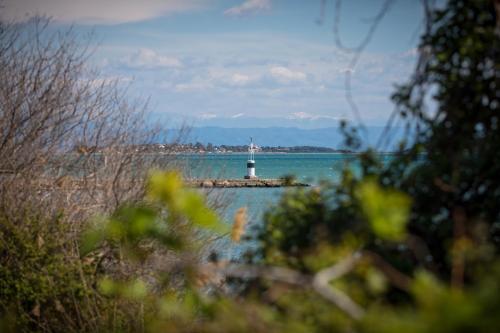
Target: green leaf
[(90, 241), (199, 214), (168, 188), (386, 210), (107, 286), (165, 186), (136, 289)]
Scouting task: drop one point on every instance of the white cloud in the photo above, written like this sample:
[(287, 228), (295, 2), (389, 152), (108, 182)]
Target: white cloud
[(286, 75), (280, 77), (238, 115), (206, 116), (95, 11), (240, 79), (249, 7), (308, 116), (226, 77), (197, 84), (149, 59)]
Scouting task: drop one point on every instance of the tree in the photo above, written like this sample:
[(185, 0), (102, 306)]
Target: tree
[(67, 153), (62, 123), (447, 167)]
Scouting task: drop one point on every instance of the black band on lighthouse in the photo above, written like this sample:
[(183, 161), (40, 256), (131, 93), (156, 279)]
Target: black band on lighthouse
[(250, 165)]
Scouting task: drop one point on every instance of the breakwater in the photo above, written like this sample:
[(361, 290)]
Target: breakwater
[(237, 183)]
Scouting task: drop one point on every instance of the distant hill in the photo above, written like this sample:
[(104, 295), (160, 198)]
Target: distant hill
[(330, 137)]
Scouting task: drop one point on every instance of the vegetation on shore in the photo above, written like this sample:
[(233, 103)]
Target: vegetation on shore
[(210, 148)]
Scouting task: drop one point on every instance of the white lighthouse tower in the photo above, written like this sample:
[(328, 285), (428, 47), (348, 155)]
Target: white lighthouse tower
[(251, 161)]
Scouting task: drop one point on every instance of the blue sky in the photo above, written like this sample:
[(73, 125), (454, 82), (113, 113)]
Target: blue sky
[(246, 62)]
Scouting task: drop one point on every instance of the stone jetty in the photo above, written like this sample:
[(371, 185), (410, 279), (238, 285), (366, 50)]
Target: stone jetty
[(231, 183)]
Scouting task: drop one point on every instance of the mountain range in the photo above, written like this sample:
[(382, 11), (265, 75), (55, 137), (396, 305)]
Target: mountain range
[(330, 137)]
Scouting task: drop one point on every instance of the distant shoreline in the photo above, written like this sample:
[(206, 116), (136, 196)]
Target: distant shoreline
[(266, 153), (282, 153), (200, 148)]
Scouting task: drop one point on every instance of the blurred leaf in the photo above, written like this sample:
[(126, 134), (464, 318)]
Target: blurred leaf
[(91, 239), (106, 286), (194, 208), (165, 186), (136, 289), (376, 281), (240, 220), (168, 188), (386, 210), (427, 289), (133, 222)]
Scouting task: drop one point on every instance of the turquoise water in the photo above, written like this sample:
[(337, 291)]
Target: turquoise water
[(308, 168)]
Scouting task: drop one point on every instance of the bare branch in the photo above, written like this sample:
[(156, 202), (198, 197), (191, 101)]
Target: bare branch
[(321, 284)]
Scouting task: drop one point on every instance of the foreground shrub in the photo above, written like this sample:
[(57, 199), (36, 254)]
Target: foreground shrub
[(43, 283)]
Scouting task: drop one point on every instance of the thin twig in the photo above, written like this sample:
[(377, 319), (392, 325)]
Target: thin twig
[(358, 50)]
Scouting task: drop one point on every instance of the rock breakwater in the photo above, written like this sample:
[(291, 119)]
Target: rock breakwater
[(235, 183)]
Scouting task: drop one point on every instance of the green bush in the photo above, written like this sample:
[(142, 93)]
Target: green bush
[(42, 281)]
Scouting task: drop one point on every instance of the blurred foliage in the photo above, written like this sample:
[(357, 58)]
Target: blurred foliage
[(427, 219), (39, 280), (408, 245), (387, 211), (456, 189)]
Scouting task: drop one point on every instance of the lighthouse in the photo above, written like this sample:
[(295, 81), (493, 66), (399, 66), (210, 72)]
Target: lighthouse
[(251, 161)]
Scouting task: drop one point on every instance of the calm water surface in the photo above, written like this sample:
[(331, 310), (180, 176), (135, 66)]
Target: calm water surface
[(308, 168)]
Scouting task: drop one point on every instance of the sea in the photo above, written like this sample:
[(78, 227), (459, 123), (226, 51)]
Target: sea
[(310, 168)]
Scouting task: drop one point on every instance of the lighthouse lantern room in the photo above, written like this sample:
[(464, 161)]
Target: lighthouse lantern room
[(251, 161)]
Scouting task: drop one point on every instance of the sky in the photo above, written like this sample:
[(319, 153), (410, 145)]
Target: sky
[(244, 63)]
